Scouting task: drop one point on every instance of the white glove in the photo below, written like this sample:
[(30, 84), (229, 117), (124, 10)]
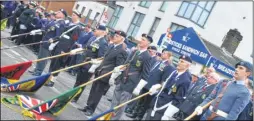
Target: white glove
[(66, 36), (52, 45), (139, 87), (74, 52), (113, 77), (154, 89), (94, 66), (117, 69), (35, 31), (171, 110), (22, 26), (96, 61), (199, 110)]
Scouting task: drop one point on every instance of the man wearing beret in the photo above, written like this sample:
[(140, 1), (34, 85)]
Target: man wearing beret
[(152, 51), (171, 94), (95, 48), (25, 20), (137, 71), (64, 44), (158, 73), (52, 32), (115, 56), (229, 97)]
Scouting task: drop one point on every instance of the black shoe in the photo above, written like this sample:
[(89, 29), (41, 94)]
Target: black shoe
[(82, 109), (128, 110), (31, 72), (138, 118), (131, 115), (110, 100), (88, 113)]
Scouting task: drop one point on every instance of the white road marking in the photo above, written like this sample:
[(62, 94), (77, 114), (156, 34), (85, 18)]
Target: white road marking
[(9, 55), (23, 59), (15, 53)]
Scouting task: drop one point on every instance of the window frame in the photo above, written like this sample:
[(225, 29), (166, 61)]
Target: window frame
[(83, 10), (114, 19), (145, 6), (77, 6), (160, 9), (138, 14), (153, 25), (192, 13)]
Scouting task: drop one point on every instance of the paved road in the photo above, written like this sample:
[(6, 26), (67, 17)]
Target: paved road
[(64, 82)]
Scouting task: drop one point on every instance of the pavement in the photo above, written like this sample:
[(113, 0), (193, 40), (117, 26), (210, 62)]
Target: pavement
[(64, 82)]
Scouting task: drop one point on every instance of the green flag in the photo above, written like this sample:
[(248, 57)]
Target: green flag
[(3, 24)]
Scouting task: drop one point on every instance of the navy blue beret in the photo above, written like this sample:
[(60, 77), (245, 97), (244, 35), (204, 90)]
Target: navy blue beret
[(187, 58), (245, 64)]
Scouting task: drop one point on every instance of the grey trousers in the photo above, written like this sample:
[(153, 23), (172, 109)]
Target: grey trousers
[(42, 64), (119, 97)]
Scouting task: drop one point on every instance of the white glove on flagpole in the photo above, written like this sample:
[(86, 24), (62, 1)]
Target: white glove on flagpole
[(75, 51), (52, 45), (34, 32), (113, 77), (139, 87), (154, 89), (199, 110), (171, 110), (96, 64)]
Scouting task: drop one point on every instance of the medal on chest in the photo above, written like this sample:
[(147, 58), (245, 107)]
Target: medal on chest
[(203, 96), (138, 63), (251, 113), (162, 66), (174, 88)]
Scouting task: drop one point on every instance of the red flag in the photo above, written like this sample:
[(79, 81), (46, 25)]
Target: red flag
[(15, 71)]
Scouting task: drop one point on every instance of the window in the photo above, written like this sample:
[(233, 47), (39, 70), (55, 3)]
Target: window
[(154, 26), (88, 16), (77, 6), (83, 10), (164, 6), (116, 15), (145, 4), (196, 11), (96, 15), (135, 24), (175, 27)]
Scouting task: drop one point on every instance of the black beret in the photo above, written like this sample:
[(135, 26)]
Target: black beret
[(122, 33), (186, 58)]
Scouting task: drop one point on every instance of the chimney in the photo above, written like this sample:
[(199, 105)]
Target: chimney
[(232, 40)]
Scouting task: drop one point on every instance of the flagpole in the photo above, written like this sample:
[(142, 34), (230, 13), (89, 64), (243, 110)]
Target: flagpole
[(77, 65), (195, 113), (107, 74)]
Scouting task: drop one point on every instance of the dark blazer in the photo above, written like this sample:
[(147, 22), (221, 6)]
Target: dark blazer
[(139, 68), (181, 85), (159, 73), (113, 57), (93, 53), (196, 97), (247, 113)]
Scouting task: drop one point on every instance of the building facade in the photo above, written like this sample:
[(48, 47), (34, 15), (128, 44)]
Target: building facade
[(211, 19)]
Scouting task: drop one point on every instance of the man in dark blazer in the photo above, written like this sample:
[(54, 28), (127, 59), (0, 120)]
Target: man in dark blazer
[(158, 73), (96, 48), (196, 97), (171, 95), (152, 51), (115, 56), (138, 69)]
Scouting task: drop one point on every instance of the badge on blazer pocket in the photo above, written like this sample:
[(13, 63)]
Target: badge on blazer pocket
[(138, 63), (174, 88), (94, 49), (203, 96), (52, 28)]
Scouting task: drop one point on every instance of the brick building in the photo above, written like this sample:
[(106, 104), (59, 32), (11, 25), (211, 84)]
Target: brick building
[(56, 5)]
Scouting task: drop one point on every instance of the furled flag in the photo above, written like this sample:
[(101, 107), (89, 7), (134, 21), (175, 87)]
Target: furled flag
[(15, 71), (3, 23), (106, 116), (54, 105), (29, 85)]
